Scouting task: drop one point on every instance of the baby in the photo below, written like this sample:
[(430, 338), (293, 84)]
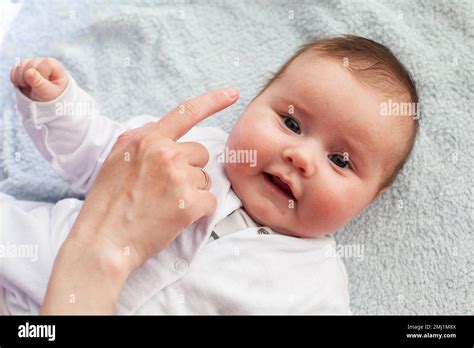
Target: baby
[(326, 149)]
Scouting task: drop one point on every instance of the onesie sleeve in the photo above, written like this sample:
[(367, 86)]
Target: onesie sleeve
[(71, 134)]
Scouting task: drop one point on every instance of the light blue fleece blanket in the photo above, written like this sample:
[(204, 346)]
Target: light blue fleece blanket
[(146, 57)]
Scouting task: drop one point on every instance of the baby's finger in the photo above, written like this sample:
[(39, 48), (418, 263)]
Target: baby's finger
[(51, 69), (33, 63), (20, 70), (13, 77), (42, 89)]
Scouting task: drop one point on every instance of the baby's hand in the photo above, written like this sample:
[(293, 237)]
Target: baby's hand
[(40, 79)]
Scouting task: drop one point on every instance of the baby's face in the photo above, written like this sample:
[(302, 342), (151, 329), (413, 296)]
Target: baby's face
[(320, 130)]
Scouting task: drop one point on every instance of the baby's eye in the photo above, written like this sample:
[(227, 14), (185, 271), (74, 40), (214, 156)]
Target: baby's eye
[(339, 160), (292, 124)]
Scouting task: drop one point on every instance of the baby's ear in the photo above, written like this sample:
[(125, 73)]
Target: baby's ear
[(380, 193)]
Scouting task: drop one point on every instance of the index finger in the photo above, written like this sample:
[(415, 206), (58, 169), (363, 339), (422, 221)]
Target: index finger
[(180, 120)]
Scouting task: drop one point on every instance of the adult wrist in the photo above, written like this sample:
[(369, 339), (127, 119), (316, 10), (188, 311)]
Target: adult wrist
[(86, 279), (105, 257)]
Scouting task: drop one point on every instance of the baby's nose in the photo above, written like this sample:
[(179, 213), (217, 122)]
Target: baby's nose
[(301, 158)]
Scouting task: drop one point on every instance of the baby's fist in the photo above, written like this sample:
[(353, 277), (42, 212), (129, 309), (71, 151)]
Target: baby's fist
[(40, 79)]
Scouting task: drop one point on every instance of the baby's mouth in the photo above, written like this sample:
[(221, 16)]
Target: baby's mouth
[(280, 185)]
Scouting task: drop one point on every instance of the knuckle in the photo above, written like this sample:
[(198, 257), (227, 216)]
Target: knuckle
[(45, 65), (49, 61), (165, 157), (125, 137), (191, 108), (162, 163), (143, 143), (148, 125), (133, 142), (201, 151), (179, 177), (30, 63), (205, 205), (24, 62), (164, 154)]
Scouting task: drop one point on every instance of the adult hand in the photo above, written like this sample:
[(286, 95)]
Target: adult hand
[(149, 189)]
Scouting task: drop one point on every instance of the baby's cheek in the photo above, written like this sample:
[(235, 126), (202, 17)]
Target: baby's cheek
[(328, 210), (242, 137), (258, 147)]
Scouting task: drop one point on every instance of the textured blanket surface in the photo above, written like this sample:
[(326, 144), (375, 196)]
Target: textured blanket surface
[(411, 252)]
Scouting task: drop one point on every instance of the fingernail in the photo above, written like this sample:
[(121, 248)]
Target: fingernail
[(231, 93)]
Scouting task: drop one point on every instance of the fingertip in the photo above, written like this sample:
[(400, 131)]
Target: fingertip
[(231, 93)]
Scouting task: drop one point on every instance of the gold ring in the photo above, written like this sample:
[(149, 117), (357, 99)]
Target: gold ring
[(207, 184)]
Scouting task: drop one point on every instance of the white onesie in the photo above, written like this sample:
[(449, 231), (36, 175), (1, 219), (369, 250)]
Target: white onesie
[(222, 264)]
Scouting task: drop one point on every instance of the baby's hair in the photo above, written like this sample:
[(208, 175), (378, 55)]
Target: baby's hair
[(371, 63)]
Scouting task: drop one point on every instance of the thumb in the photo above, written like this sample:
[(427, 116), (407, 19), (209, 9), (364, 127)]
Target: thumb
[(41, 89)]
